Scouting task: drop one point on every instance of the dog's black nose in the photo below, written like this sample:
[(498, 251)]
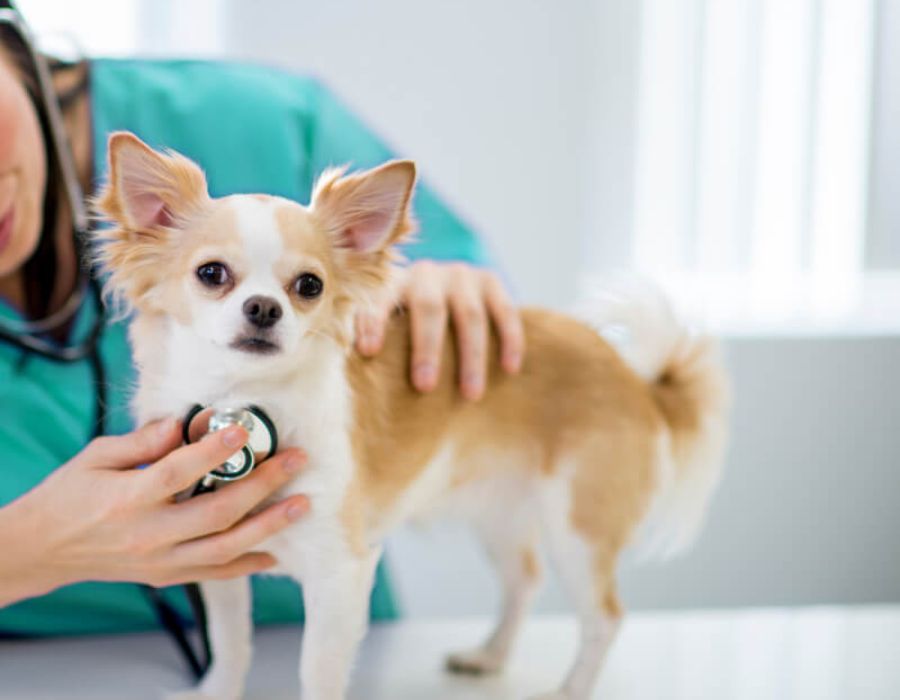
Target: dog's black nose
[(262, 312)]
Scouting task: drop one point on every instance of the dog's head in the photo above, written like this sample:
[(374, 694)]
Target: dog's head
[(249, 276)]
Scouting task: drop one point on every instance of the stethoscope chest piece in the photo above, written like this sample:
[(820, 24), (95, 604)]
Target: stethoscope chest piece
[(262, 442)]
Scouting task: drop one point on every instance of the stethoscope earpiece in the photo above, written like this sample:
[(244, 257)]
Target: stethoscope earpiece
[(262, 443)]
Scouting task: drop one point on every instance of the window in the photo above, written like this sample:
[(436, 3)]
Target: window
[(753, 160)]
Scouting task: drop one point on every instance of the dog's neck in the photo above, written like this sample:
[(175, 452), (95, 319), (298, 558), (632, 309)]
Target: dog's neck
[(171, 379)]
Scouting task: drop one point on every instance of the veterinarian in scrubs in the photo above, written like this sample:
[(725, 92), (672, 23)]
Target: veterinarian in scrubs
[(72, 507)]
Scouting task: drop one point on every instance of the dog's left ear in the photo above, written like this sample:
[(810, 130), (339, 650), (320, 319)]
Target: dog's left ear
[(367, 212)]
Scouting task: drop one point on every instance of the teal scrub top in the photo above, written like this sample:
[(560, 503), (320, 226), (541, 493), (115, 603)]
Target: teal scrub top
[(252, 129)]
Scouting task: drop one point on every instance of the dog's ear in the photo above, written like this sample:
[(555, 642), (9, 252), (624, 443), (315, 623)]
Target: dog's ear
[(148, 190), (365, 213), (147, 197)]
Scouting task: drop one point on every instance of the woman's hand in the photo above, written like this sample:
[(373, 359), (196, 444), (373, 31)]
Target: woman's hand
[(470, 297), (99, 518)]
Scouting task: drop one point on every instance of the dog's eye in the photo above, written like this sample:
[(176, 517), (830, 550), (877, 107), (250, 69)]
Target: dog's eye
[(308, 286), (213, 274)]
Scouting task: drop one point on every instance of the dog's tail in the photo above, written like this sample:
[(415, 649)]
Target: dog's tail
[(687, 379)]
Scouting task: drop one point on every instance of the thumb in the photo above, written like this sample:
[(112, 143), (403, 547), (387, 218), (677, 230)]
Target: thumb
[(147, 444)]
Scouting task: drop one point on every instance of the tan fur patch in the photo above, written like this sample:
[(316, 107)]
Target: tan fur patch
[(309, 249), (530, 565), (610, 602), (554, 409)]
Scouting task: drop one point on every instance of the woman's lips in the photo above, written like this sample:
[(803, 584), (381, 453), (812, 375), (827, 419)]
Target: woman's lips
[(6, 228)]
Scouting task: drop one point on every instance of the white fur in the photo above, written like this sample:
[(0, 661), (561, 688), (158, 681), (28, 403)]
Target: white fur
[(305, 392), (502, 510), (573, 560), (679, 505), (636, 318)]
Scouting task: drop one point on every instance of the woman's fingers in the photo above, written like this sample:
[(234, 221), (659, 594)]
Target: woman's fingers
[(225, 546), (508, 323), (186, 465), (147, 444), (370, 327), (372, 323), (475, 299), (428, 317), (214, 512), (470, 323)]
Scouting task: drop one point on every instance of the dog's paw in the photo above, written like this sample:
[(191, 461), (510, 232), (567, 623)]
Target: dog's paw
[(477, 662)]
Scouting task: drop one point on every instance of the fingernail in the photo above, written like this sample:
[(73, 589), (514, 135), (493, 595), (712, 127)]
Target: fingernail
[(295, 511), (165, 427), (234, 437), (424, 375), (472, 387), (294, 463), (513, 362)]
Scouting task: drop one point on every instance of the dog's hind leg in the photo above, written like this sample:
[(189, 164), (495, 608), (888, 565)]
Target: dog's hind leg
[(230, 623), (586, 567), (510, 537)]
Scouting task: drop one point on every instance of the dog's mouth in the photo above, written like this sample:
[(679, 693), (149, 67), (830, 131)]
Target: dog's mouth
[(255, 345)]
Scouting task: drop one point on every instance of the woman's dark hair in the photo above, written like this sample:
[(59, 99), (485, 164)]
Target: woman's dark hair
[(39, 271)]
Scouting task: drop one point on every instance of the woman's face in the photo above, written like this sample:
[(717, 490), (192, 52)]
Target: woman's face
[(23, 173)]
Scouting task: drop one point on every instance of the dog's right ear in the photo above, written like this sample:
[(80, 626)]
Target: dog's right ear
[(148, 190), (148, 196)]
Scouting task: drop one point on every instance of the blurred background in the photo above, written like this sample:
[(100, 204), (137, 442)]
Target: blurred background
[(744, 153)]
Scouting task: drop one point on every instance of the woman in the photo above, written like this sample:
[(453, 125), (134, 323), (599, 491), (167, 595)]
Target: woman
[(65, 367)]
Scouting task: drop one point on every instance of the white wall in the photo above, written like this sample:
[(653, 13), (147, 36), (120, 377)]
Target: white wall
[(489, 97), (521, 114)]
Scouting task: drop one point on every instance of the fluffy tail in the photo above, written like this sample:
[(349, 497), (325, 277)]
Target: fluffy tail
[(687, 378)]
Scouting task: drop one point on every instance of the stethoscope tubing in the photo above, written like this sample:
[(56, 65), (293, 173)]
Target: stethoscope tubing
[(87, 349)]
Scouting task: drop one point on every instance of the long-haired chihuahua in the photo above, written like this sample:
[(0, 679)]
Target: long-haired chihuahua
[(250, 299)]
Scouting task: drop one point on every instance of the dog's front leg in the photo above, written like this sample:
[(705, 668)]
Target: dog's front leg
[(230, 620), (336, 595)]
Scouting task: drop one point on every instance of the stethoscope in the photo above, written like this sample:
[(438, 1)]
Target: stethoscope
[(261, 444), (29, 338), (262, 441)]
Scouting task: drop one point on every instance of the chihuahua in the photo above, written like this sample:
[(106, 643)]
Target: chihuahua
[(250, 299)]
